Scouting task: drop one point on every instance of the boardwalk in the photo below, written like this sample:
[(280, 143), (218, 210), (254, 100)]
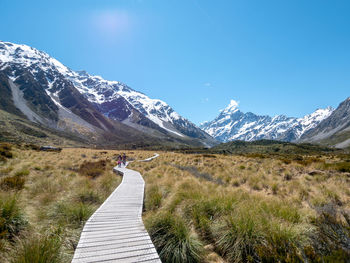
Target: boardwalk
[(115, 232)]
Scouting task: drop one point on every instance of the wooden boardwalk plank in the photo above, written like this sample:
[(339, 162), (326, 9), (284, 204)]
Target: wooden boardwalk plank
[(115, 232)]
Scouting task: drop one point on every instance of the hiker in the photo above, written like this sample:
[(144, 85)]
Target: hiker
[(119, 160), (124, 158)]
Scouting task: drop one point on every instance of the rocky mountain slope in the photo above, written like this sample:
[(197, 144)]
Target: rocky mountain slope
[(233, 124), (334, 130), (37, 86)]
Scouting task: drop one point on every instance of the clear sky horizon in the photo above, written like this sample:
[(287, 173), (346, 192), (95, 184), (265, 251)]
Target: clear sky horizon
[(274, 57)]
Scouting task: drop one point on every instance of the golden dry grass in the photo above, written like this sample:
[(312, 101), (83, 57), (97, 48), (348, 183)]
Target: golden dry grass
[(198, 207), (57, 197), (282, 200)]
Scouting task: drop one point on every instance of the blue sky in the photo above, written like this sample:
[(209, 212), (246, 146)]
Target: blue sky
[(274, 57)]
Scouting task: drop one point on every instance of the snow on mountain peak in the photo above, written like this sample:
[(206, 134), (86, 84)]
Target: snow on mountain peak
[(249, 126), (232, 107), (27, 56), (95, 88)]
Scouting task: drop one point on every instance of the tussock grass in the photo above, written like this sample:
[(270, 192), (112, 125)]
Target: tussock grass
[(22, 172), (267, 208), (93, 169), (12, 183), (5, 152), (54, 194), (72, 214), (88, 196), (198, 207), (154, 198), (173, 239), (12, 219), (38, 249), (343, 167)]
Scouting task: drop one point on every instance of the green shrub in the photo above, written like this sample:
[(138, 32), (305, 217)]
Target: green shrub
[(173, 240), (38, 249), (12, 220)]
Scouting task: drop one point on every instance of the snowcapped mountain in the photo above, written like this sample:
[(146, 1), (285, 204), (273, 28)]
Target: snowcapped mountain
[(61, 98), (109, 95), (333, 131), (233, 124)]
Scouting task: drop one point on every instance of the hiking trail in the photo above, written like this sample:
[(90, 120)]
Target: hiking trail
[(115, 232)]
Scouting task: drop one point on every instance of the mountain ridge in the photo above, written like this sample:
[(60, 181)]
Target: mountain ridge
[(233, 124), (64, 97), (334, 130)]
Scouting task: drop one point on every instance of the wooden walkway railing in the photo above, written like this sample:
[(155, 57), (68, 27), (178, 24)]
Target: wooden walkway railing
[(115, 232)]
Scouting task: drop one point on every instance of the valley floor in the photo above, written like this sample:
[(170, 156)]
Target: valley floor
[(198, 207)]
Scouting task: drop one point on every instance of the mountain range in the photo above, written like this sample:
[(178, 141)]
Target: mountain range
[(42, 98), (233, 124), (39, 88), (327, 126)]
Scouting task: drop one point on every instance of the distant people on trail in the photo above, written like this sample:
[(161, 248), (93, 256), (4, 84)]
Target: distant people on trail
[(121, 159), (124, 158)]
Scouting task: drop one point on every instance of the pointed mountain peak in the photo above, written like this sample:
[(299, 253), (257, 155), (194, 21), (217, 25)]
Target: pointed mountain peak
[(232, 107)]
